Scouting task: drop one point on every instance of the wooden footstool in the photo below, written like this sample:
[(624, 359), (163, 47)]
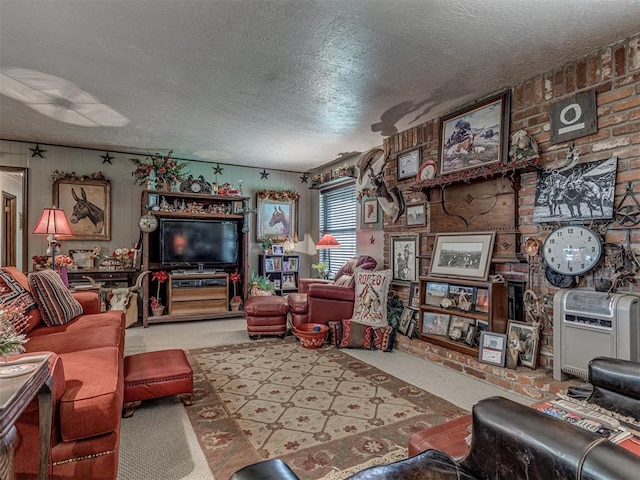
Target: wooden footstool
[(152, 375)]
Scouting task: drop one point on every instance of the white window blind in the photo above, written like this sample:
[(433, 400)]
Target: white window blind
[(338, 217)]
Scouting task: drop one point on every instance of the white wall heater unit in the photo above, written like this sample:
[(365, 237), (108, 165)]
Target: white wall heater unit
[(588, 324)]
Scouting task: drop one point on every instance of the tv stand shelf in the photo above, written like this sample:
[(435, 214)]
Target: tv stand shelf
[(192, 294)]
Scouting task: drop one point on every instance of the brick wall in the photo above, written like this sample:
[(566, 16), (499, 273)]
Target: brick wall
[(614, 73)]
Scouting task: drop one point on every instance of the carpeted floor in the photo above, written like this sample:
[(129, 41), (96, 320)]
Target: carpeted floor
[(321, 411)]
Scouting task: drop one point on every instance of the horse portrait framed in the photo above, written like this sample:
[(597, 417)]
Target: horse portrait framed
[(276, 216), (87, 205)]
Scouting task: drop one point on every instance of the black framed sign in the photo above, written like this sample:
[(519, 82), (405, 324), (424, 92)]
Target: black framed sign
[(573, 118)]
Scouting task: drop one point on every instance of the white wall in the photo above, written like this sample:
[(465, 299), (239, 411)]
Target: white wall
[(125, 196)]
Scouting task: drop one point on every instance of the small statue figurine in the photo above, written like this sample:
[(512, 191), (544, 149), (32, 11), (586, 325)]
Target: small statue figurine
[(523, 147)]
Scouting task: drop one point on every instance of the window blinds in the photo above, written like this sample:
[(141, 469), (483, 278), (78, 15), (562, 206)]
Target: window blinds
[(338, 217)]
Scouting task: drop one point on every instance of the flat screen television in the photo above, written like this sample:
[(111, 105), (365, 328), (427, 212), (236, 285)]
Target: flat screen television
[(192, 242)]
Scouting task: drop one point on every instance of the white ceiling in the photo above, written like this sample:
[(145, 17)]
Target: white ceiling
[(286, 84)]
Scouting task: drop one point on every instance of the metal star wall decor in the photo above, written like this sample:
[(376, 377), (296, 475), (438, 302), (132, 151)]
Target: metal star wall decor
[(372, 240), (37, 151), (107, 158), (217, 170), (264, 175), (304, 178)]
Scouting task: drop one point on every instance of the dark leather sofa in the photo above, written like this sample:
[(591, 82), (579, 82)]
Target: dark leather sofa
[(510, 441)]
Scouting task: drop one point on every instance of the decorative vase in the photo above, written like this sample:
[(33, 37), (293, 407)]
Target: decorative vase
[(64, 274), (157, 312), (235, 306), (164, 185)]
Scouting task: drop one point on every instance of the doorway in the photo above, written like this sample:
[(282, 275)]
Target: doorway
[(13, 236), (9, 230)]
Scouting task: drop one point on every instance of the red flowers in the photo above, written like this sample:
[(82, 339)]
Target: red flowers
[(160, 276), (235, 278)]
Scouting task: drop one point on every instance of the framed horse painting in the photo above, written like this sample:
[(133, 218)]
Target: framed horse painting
[(276, 215), (87, 205)]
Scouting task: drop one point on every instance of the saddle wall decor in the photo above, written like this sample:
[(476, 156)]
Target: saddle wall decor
[(277, 214), (86, 202)]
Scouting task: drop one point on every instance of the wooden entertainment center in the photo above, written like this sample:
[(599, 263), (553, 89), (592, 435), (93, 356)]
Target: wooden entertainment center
[(192, 292)]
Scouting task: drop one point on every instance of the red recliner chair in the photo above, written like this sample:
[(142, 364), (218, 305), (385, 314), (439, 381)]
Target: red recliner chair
[(324, 301)]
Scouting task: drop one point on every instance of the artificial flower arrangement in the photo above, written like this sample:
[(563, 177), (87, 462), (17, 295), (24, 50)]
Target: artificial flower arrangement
[(235, 278), (40, 262), (11, 342), (345, 171), (278, 195), (164, 169), (123, 253), (365, 193), (62, 261), (160, 276)]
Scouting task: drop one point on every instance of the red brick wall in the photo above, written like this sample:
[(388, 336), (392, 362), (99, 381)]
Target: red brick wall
[(614, 72)]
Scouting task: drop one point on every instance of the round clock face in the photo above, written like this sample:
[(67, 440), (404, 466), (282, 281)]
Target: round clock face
[(572, 250), (427, 171), (148, 223), (196, 187)]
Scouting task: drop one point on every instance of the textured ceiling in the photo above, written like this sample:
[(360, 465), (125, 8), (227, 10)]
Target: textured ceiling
[(286, 84)]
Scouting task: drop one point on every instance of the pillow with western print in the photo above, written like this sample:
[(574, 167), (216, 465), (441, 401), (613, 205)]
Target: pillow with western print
[(55, 302), (355, 335), (335, 333), (371, 290), (384, 338), (13, 294)]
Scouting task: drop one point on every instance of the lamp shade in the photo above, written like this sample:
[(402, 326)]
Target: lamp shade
[(327, 241), (52, 221)]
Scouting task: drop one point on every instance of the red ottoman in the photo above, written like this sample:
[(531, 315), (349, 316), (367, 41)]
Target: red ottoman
[(266, 316), (152, 375), (448, 437), (299, 306)]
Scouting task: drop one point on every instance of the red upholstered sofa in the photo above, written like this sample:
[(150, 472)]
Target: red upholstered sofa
[(326, 300), (87, 389)]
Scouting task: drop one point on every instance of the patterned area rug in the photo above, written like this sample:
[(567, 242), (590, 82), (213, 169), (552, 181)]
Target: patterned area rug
[(322, 411)]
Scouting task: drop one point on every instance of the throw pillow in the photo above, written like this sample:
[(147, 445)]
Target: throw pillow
[(335, 333), (13, 294), (371, 292), (355, 335), (56, 304), (384, 338)]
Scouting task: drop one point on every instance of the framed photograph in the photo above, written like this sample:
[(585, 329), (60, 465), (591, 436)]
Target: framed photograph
[(82, 259), (493, 348), (458, 327), (414, 295), (405, 318), (293, 264), (285, 265), (464, 296), (475, 136), (371, 217), (277, 249), (277, 264), (238, 208), (416, 214), (482, 300), (153, 201), (276, 215), (276, 284), (529, 346), (481, 326), (87, 204), (463, 255), (409, 163), (435, 292), (288, 281), (404, 252), (584, 191), (411, 329), (435, 323), (470, 338), (268, 265)]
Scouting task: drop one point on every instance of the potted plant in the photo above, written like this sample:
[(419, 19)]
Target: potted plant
[(11, 342), (237, 299), (323, 269), (156, 306), (261, 285), (266, 245), (165, 170)]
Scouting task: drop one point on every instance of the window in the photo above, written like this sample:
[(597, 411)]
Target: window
[(338, 217)]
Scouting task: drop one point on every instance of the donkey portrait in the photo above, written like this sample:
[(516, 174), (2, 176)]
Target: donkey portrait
[(83, 208)]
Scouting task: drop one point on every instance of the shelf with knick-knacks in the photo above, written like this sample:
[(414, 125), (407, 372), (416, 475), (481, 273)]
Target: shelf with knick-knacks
[(282, 270), (177, 204)]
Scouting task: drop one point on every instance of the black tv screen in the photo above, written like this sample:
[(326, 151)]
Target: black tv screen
[(191, 242)]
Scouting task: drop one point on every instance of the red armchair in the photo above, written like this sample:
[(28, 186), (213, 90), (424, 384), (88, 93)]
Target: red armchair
[(323, 301)]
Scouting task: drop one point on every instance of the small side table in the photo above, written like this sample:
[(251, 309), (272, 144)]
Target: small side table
[(16, 392)]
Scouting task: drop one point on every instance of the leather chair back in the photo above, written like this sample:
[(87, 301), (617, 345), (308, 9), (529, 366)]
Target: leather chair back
[(345, 277)]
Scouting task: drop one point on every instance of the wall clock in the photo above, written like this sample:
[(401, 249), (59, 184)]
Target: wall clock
[(148, 223), (572, 250)]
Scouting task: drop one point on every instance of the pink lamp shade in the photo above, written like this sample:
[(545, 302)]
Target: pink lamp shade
[(52, 221), (327, 241)]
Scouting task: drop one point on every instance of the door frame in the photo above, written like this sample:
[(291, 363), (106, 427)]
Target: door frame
[(22, 220)]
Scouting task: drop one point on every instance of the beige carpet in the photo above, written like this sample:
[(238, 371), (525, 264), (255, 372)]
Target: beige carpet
[(321, 411)]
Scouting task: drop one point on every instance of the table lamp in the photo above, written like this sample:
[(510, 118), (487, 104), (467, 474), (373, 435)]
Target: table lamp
[(327, 241), (52, 222)]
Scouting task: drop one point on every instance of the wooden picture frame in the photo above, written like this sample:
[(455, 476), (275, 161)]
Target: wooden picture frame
[(87, 205), (475, 136), (276, 219), (481, 303), (493, 348), (458, 328), (371, 217), (411, 329), (82, 259), (414, 295), (434, 323), (416, 214), (528, 335), (462, 255), (404, 258), (405, 319), (434, 292), (409, 163)]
